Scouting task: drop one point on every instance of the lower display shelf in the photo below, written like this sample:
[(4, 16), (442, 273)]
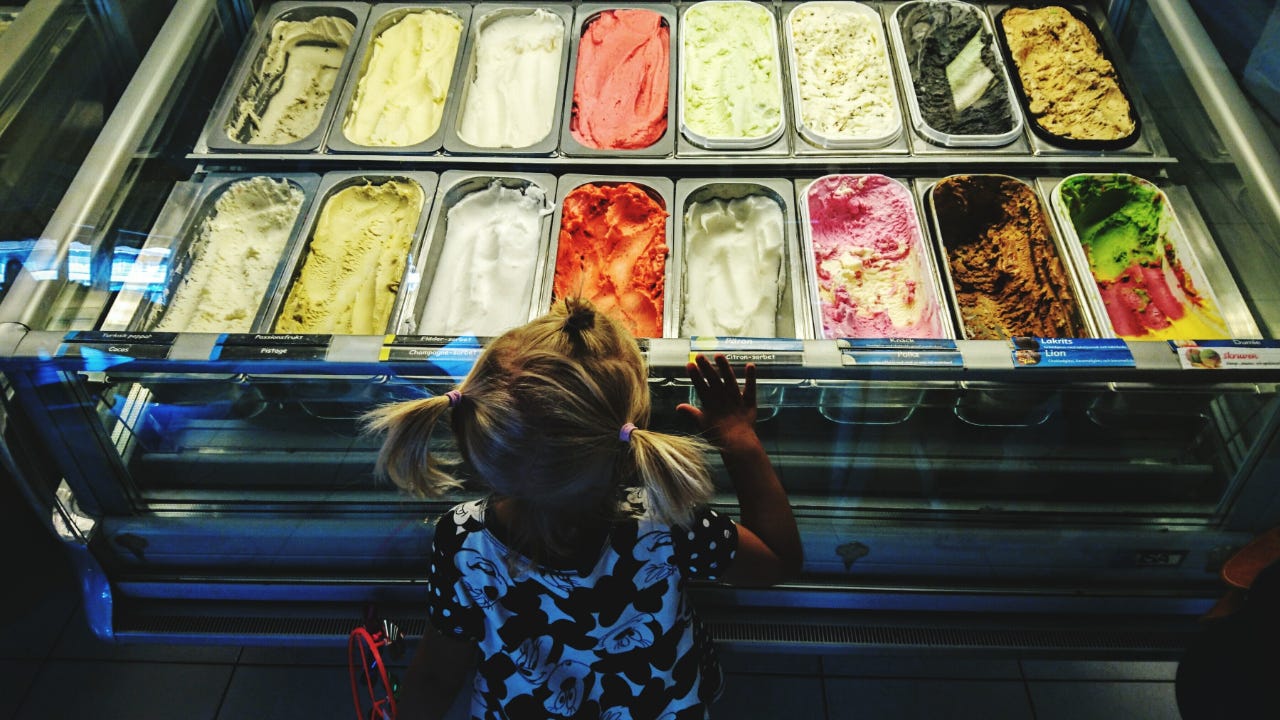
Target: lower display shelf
[(847, 450)]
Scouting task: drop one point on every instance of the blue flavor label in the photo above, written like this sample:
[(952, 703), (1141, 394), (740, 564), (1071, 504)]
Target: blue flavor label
[(112, 353), (710, 344), (1227, 354), (939, 344), (924, 358), (1029, 352)]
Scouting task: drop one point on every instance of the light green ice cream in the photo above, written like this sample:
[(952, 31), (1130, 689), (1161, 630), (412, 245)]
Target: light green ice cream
[(731, 87)]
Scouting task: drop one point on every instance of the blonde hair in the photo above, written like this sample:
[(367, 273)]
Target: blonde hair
[(539, 421)]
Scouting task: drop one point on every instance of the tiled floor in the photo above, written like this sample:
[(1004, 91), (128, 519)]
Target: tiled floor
[(52, 668)]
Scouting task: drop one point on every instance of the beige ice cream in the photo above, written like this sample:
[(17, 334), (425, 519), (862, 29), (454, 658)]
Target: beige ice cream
[(483, 282), (285, 97), (841, 65), (351, 273), (400, 97), (511, 101), (233, 258), (733, 259), (1071, 88)]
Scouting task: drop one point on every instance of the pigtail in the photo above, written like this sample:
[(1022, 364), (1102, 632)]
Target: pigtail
[(405, 456), (673, 472)]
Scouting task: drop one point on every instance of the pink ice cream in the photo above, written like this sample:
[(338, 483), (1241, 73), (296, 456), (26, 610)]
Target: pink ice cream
[(873, 278)]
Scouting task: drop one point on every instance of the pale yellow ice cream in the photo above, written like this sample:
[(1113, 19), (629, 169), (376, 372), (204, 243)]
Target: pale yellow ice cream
[(731, 87), (401, 95), (841, 66), (351, 273), (234, 255), (511, 101), (285, 97)]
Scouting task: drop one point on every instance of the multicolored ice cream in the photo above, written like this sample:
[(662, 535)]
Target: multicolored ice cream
[(1131, 240), (874, 280)]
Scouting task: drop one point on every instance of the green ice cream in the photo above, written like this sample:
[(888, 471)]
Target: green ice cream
[(1120, 222), (732, 87)]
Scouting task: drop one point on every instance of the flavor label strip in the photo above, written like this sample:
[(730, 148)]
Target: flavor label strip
[(270, 346), (268, 352), (436, 340), (901, 357), (757, 357), (927, 352), (714, 344), (116, 336), (274, 339), (113, 353), (937, 344), (1227, 354), (116, 346), (740, 350), (1070, 352), (449, 361)]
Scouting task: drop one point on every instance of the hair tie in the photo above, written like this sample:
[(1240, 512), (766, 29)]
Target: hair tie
[(455, 397), (625, 433)]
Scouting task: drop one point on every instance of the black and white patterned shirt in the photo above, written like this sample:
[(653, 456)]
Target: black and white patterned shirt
[(620, 642)]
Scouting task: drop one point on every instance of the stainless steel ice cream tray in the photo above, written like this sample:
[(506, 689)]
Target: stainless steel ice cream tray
[(812, 141), (792, 317), (383, 17), (1084, 294), (167, 255), (216, 135), (664, 146), (453, 187), (927, 139), (331, 184), (1191, 242), (1146, 140), (928, 260), (482, 15), (693, 144), (662, 190)]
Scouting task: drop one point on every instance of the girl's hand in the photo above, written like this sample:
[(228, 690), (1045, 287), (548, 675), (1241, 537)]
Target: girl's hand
[(727, 416)]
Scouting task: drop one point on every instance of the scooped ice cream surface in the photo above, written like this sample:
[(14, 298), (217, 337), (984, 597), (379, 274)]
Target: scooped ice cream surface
[(285, 97), (351, 274), (613, 251)]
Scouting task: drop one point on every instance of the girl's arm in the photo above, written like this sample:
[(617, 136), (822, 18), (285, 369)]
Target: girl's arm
[(769, 547), (439, 667)]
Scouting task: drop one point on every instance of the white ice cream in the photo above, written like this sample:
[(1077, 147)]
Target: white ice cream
[(511, 100), (733, 259), (234, 256), (842, 69), (483, 280)]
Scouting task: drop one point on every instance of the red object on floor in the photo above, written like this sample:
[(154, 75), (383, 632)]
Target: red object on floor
[(1243, 567)]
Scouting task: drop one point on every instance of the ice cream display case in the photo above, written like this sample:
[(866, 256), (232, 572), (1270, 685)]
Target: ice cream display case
[(1017, 375)]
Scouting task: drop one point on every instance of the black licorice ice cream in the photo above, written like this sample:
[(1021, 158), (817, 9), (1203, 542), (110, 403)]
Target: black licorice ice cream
[(954, 70)]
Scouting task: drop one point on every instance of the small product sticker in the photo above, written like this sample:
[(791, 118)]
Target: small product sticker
[(1029, 352), (1227, 354)]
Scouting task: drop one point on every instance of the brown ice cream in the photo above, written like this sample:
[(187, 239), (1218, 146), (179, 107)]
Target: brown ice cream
[(1070, 87), (1008, 277)]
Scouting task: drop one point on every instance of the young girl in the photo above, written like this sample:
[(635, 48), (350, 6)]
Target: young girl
[(565, 588)]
